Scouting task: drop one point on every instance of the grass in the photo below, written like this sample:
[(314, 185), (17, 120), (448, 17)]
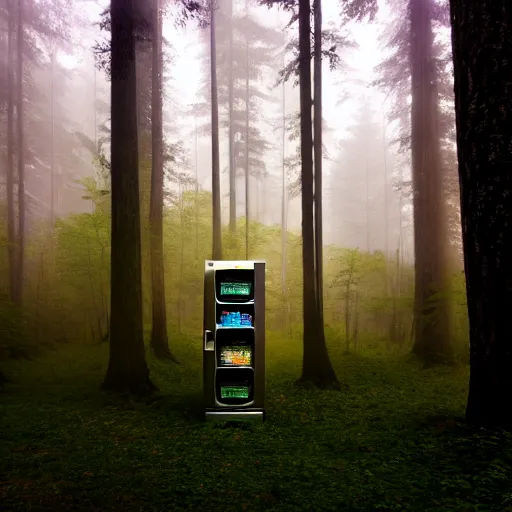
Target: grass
[(391, 441)]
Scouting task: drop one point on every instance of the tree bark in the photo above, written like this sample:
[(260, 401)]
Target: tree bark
[(127, 370), (20, 263), (217, 240), (432, 337), (11, 217), (319, 253), (159, 338), (483, 73), (143, 72), (316, 366)]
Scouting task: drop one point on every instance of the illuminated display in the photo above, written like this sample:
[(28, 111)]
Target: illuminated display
[(231, 288), (234, 392), (235, 319), (235, 356)]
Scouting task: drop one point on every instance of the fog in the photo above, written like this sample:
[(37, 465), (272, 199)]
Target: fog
[(354, 156), (222, 210)]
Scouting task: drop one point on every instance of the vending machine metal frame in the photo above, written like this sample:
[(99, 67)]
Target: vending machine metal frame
[(215, 409)]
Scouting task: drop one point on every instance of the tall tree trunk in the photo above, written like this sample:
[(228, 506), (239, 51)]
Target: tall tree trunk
[(182, 259), (159, 338), (20, 263), (143, 72), (196, 202), (127, 369), (217, 240), (247, 173), (284, 209), (319, 253), (386, 209), (52, 149), (11, 216), (483, 105), (231, 133), (316, 365), (52, 161), (367, 206), (347, 318), (431, 340), (355, 336)]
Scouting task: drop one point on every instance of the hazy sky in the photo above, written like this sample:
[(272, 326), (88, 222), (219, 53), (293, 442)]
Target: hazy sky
[(186, 78)]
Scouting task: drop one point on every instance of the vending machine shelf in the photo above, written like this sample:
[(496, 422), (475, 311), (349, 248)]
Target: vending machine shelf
[(248, 303), (235, 367), (234, 326)]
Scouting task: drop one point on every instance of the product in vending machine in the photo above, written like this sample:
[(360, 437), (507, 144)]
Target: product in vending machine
[(246, 319), (224, 318)]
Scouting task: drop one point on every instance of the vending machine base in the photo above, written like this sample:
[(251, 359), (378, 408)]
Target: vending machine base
[(252, 415)]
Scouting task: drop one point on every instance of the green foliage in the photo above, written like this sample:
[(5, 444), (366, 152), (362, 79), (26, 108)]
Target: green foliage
[(83, 272), (392, 441), (68, 280)]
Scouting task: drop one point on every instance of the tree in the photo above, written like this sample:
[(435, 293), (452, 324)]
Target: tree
[(20, 267), (127, 369), (432, 335), (483, 105), (159, 338), (31, 28), (414, 69), (244, 52), (317, 10), (359, 169), (11, 219), (217, 241), (284, 212), (316, 365)]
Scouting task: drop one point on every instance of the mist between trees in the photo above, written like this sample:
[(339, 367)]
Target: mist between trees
[(139, 139), (64, 132)]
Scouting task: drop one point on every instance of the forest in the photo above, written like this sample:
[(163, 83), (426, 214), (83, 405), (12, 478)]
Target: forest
[(360, 148)]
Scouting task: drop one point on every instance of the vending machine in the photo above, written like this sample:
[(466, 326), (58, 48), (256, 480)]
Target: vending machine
[(234, 340)]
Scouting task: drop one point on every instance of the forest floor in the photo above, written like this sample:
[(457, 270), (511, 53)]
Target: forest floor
[(390, 441)]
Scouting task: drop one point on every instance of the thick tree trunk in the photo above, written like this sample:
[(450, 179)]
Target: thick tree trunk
[(20, 263), (11, 216), (231, 135), (217, 236), (143, 71), (483, 74), (159, 339), (127, 370), (432, 337), (316, 365), (319, 253)]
